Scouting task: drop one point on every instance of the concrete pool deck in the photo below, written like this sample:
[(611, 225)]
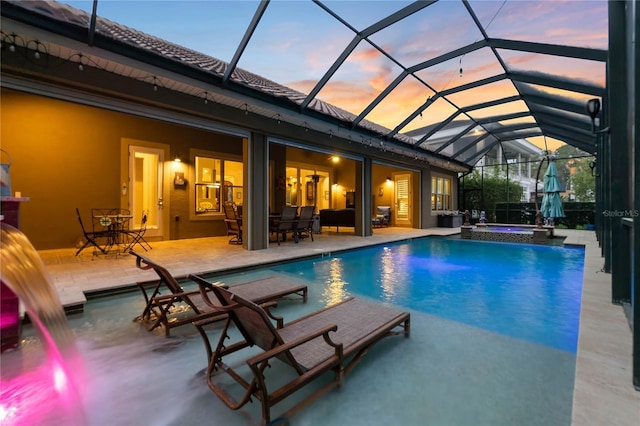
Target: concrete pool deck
[(603, 392)]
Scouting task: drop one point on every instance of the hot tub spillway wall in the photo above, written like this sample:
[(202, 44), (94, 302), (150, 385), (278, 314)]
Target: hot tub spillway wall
[(507, 233)]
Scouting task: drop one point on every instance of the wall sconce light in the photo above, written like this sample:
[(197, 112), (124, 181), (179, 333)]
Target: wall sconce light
[(335, 159), (388, 179), (177, 159), (593, 108)]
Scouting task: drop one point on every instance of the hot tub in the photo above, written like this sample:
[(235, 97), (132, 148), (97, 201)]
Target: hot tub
[(508, 233)]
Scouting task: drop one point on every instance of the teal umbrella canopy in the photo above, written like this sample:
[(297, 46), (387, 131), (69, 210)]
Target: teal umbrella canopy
[(551, 206), (551, 182)]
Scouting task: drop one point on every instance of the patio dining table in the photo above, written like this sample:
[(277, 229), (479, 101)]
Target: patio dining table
[(117, 227), (276, 219)]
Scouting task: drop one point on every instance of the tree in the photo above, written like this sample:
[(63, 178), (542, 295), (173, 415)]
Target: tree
[(574, 173), (583, 183)]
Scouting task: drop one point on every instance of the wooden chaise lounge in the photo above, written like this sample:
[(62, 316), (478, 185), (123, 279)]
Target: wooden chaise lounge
[(179, 307), (332, 339)]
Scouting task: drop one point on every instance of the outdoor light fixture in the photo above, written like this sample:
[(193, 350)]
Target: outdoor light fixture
[(37, 47), (11, 40), (593, 108), (177, 159), (80, 59), (388, 179)]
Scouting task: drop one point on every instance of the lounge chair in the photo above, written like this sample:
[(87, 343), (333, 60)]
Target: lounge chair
[(180, 307), (332, 339)]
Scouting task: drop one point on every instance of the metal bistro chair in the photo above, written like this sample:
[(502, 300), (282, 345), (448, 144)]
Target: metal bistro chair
[(103, 223), (90, 237), (137, 236)]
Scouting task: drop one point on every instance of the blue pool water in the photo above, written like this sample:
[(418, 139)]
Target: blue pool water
[(528, 292)]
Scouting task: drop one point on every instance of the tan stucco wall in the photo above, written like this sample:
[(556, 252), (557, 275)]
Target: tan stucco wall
[(67, 155)]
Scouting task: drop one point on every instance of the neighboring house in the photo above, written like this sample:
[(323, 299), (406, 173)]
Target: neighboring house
[(522, 156)]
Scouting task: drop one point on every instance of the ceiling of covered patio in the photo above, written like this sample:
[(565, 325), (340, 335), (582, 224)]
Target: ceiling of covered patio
[(455, 79)]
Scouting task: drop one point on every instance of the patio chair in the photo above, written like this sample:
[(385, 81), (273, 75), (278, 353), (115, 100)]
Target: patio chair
[(305, 222), (179, 307), (233, 222), (90, 237), (333, 339), (286, 223), (383, 214), (137, 235)]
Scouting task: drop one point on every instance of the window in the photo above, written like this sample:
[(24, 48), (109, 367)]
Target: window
[(440, 194), (307, 186), (216, 181)]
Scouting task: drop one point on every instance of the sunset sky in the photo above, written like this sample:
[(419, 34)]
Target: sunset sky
[(297, 41)]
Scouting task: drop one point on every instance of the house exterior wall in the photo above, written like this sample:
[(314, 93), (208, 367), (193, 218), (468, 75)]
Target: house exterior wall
[(67, 155)]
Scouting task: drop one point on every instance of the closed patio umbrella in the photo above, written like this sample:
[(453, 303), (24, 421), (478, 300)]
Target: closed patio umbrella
[(551, 206)]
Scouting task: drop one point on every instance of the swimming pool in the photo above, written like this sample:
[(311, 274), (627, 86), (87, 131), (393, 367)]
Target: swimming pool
[(528, 292), (465, 363)]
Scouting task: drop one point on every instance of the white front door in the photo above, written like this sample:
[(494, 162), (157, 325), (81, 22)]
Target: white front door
[(146, 187), (403, 196)]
